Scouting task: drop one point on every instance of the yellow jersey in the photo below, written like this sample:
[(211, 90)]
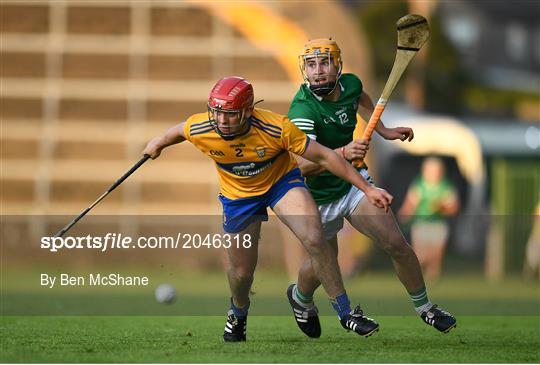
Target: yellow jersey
[(250, 164)]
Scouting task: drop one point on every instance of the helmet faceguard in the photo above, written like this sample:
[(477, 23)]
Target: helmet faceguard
[(231, 97), (318, 50)]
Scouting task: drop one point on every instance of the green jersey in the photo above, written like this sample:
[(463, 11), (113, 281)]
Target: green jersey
[(331, 123), (430, 197)]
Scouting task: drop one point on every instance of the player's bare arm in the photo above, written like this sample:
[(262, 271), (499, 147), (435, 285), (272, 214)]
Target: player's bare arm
[(332, 162), (401, 133), (172, 136), (351, 151)]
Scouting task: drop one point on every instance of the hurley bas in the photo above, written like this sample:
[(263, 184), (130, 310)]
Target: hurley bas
[(112, 279)]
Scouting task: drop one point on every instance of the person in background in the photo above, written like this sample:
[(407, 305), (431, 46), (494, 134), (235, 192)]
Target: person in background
[(430, 201)]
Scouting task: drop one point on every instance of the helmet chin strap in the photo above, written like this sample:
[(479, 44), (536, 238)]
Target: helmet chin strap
[(226, 137), (324, 89)]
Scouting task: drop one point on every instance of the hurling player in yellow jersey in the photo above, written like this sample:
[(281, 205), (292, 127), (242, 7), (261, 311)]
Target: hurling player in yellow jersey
[(250, 148)]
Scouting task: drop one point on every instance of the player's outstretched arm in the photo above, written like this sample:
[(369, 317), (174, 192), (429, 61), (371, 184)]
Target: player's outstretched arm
[(352, 151), (330, 161), (172, 136), (308, 168)]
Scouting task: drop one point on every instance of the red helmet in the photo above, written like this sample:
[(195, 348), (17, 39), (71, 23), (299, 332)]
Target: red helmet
[(231, 94)]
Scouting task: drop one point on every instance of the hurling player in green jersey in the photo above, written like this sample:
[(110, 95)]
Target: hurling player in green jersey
[(325, 108)]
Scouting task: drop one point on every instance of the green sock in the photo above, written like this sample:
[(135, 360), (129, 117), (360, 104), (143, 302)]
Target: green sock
[(302, 298), (420, 300)]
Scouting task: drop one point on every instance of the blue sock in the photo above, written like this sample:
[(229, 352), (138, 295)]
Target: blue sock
[(342, 305), (240, 312)]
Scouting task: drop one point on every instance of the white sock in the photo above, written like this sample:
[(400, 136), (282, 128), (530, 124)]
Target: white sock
[(423, 308)]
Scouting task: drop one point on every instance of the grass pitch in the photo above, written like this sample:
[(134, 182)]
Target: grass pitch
[(497, 323), (270, 339)]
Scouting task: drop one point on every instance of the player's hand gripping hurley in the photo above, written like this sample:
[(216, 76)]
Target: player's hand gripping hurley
[(113, 186), (412, 34)]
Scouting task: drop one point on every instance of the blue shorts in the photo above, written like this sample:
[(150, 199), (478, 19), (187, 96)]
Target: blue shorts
[(240, 213)]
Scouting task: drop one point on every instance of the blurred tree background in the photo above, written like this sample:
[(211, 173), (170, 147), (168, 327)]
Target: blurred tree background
[(448, 85)]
